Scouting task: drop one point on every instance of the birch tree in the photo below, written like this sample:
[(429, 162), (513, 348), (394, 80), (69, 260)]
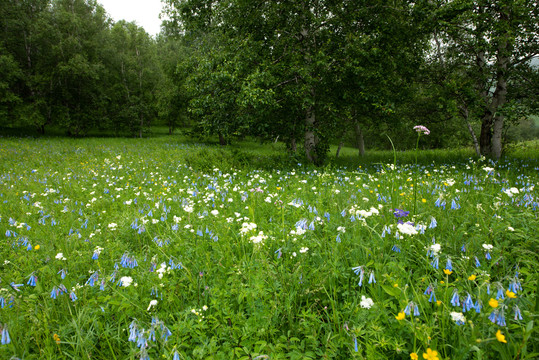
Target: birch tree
[(494, 41)]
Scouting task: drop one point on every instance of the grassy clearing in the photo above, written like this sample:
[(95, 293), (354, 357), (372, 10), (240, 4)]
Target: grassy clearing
[(157, 248)]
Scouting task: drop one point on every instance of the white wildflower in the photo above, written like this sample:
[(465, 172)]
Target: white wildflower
[(458, 317), (511, 191), (407, 229), (298, 231), (366, 303), (152, 303), (247, 227), (126, 281), (259, 238), (435, 249)]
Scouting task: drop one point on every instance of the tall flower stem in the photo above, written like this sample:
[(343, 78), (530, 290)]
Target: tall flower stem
[(392, 190), (414, 173), (420, 130)]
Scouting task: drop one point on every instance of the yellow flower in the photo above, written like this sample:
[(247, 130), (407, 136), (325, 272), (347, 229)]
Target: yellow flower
[(448, 272), (431, 355), (56, 338), (438, 302), (510, 294), (500, 337), (493, 303), (395, 285), (423, 200), (414, 356), (37, 247), (472, 277), (400, 316)]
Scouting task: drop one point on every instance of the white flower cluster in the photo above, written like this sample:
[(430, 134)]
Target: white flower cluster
[(247, 227), (511, 191), (60, 256), (449, 182), (257, 239), (407, 229), (199, 312), (126, 281), (299, 231), (435, 249), (162, 270), (363, 213), (188, 208), (366, 303), (458, 317)]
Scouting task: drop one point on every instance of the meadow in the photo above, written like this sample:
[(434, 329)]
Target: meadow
[(161, 249)]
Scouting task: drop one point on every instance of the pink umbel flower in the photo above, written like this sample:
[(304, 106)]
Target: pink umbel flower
[(421, 129)]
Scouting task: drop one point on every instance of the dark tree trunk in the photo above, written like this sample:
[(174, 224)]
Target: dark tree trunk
[(497, 137), (141, 125), (339, 149), (222, 140), (486, 134), (293, 146), (310, 136), (359, 139), (492, 122), (465, 114)]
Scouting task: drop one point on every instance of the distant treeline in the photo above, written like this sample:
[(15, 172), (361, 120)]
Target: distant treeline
[(64, 63), (309, 73)]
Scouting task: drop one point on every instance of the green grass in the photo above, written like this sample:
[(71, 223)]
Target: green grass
[(285, 289)]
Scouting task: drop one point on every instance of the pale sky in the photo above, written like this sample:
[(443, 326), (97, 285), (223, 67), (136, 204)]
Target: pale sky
[(144, 12)]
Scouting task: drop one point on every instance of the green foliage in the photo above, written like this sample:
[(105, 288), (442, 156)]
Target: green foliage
[(66, 66), (310, 74), (259, 73)]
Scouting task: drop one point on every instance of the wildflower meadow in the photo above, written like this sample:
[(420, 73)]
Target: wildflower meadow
[(130, 249)]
